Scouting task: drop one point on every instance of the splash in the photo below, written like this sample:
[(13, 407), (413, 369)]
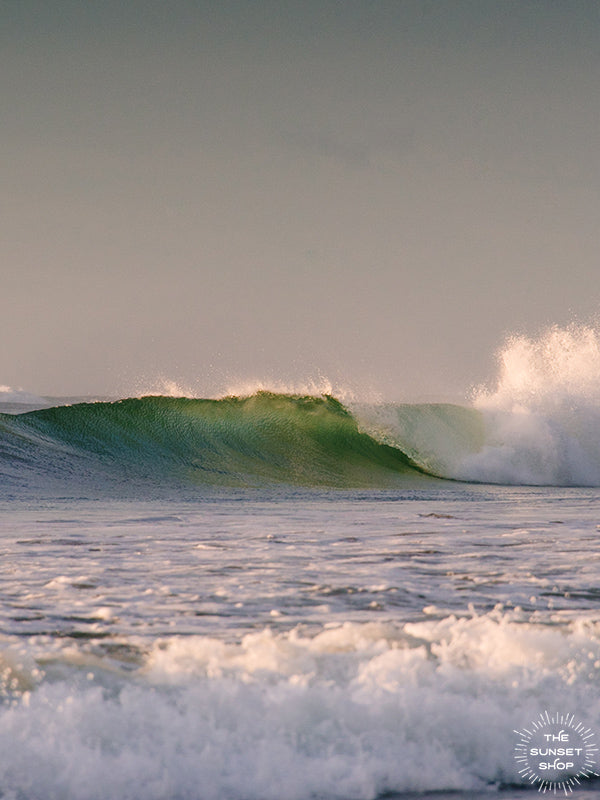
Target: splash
[(163, 386), (542, 419), (312, 386), (560, 369)]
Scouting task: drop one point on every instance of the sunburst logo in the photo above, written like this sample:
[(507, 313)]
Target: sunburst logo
[(557, 752)]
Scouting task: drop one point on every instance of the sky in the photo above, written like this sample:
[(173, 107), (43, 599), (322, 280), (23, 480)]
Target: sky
[(223, 194)]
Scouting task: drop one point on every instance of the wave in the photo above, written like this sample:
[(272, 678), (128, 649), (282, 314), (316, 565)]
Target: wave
[(539, 425), (542, 418), (351, 711), (251, 441)]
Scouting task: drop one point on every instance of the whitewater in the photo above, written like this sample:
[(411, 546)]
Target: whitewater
[(279, 594)]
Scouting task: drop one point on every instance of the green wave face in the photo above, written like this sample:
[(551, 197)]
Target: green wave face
[(261, 439)]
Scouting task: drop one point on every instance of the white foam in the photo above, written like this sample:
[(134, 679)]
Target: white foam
[(542, 419), (351, 712)]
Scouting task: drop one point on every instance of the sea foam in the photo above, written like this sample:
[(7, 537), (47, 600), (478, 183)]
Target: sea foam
[(353, 711)]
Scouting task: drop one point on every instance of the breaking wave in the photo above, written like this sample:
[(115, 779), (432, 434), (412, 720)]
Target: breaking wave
[(251, 441), (539, 425)]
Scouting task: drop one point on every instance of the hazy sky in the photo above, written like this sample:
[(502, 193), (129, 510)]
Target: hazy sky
[(216, 192)]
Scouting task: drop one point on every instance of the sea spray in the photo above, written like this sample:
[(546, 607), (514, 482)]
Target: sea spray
[(542, 419), (539, 425)]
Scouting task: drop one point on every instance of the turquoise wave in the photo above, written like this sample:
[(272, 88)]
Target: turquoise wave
[(235, 441)]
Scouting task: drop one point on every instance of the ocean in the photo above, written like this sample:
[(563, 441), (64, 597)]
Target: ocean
[(301, 597)]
